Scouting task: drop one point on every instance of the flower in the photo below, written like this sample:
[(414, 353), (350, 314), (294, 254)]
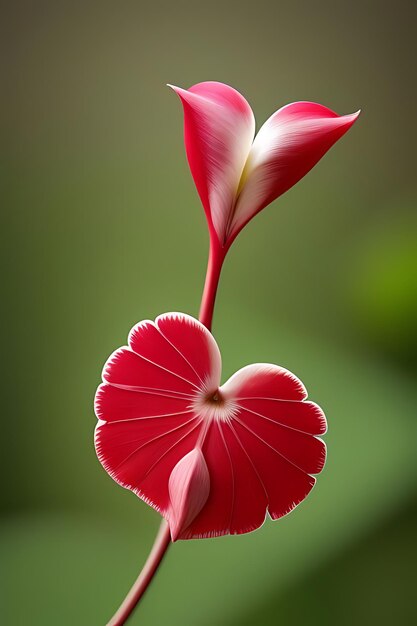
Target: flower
[(213, 460), (236, 175)]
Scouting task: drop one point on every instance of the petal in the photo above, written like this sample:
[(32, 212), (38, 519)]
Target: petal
[(195, 344), (287, 146), (264, 380), (148, 341), (219, 127), (189, 487)]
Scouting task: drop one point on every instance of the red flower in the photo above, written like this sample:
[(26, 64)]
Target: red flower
[(236, 175), (211, 459)]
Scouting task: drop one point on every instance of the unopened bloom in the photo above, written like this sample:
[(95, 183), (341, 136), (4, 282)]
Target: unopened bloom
[(212, 459), (238, 174)]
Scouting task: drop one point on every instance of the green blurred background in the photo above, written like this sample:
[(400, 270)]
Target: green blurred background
[(102, 227)]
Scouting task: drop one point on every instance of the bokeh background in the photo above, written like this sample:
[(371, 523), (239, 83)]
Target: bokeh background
[(102, 227)]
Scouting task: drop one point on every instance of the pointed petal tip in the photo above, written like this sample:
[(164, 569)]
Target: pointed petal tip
[(184, 94), (178, 90), (351, 118)]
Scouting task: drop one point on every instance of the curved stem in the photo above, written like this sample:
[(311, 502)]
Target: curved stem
[(214, 268), (160, 546)]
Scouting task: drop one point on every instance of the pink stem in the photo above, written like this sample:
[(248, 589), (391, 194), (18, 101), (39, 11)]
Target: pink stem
[(214, 267), (163, 538), (159, 548)]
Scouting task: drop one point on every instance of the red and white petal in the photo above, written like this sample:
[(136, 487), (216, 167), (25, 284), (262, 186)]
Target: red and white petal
[(148, 341), (219, 127), (287, 146), (128, 370), (195, 344), (263, 380), (189, 488)]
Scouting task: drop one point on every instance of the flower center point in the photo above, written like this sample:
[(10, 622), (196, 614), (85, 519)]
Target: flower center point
[(213, 405), (215, 397)]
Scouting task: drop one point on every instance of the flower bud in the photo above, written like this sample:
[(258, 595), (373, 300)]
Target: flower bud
[(189, 488)]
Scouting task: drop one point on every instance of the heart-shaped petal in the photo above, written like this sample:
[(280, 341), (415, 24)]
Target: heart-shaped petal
[(237, 176), (211, 459)]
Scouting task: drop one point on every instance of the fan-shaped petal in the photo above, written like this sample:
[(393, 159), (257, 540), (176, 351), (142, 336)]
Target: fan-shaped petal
[(195, 344)]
